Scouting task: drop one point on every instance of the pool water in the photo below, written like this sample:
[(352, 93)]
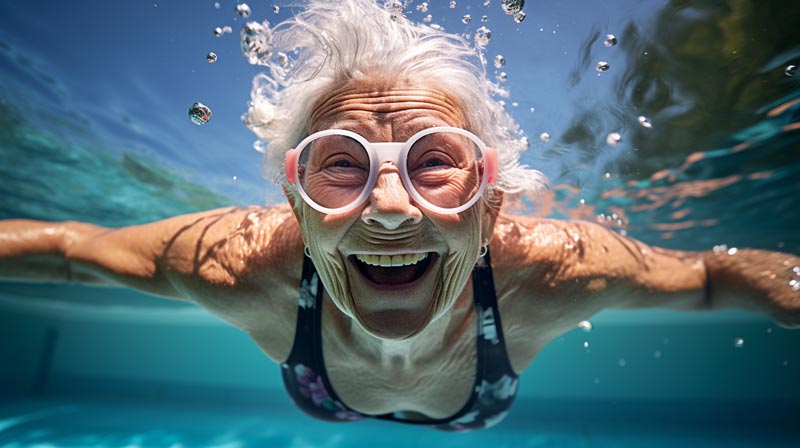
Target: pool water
[(94, 127)]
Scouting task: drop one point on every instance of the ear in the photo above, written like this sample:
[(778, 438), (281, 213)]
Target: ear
[(296, 202), (491, 208)]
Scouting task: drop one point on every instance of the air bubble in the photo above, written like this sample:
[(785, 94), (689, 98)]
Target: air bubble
[(657, 354), (502, 77), (243, 10), (276, 9), (422, 7), (585, 344), (585, 325), (283, 59), (482, 36), (607, 175), (732, 251), (621, 362), (795, 284), (216, 5), (533, 109), (514, 104), (791, 70), (796, 270), (738, 342), (544, 136), (610, 40), (235, 178), (484, 19), (602, 66), (499, 61), (613, 138), (224, 30), (519, 17), (453, 4), (428, 18), (211, 57), (487, 3), (720, 248), (199, 113), (466, 18), (645, 122), (511, 7)]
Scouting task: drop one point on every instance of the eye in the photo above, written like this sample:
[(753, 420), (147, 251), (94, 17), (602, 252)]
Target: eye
[(433, 162), (341, 163)]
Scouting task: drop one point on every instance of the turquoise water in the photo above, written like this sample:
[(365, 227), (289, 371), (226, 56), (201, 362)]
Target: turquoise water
[(93, 127)]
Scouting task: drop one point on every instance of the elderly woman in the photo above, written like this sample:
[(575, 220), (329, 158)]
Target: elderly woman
[(391, 286)]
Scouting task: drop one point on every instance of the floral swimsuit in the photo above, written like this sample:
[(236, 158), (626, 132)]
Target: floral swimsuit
[(495, 382)]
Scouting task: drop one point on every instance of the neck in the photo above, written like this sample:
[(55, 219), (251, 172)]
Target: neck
[(425, 345)]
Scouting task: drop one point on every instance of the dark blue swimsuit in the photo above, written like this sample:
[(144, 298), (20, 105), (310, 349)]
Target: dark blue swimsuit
[(495, 382)]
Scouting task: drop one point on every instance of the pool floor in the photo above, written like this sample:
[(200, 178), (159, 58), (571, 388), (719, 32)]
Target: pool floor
[(27, 422)]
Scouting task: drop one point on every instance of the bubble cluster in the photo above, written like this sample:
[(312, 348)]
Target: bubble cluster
[(645, 122), (602, 66), (585, 325), (257, 42), (466, 18), (211, 57), (610, 40), (395, 8), (512, 7), (791, 70), (199, 113), (613, 138), (482, 36), (794, 284), (243, 10), (422, 7)]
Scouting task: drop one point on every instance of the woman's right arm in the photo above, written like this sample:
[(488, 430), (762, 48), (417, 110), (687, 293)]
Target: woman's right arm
[(182, 257)]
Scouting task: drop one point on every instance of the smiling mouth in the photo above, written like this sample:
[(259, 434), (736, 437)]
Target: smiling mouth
[(393, 270)]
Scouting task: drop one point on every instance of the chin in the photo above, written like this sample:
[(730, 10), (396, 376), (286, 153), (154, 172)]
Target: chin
[(394, 324)]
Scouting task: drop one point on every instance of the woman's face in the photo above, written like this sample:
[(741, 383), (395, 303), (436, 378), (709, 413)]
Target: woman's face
[(438, 251)]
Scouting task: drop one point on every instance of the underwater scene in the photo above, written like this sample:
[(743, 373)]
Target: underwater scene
[(674, 122)]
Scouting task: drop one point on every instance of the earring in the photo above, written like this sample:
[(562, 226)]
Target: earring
[(484, 250), (307, 252)]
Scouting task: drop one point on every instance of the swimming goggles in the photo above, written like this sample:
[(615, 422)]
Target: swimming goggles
[(444, 169)]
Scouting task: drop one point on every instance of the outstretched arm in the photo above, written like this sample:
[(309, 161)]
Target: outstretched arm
[(575, 269), (178, 257)]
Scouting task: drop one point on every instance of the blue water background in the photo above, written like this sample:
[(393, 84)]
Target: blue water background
[(94, 127)]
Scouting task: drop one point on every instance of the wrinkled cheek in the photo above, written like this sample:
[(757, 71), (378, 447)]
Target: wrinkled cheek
[(460, 261), (322, 237)]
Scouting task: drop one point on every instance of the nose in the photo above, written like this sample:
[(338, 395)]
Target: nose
[(389, 203)]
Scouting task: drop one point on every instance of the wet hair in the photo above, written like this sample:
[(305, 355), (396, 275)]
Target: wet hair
[(333, 42)]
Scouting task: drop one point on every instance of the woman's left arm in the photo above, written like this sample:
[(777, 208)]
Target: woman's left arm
[(581, 268)]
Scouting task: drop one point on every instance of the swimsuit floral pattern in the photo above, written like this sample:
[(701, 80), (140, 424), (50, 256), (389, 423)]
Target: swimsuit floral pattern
[(312, 387)]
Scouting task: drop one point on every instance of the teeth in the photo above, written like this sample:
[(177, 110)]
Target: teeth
[(388, 261)]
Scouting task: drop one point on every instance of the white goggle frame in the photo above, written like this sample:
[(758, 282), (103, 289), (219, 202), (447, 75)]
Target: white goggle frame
[(395, 153)]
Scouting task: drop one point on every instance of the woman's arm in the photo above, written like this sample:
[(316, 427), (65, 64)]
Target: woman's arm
[(181, 257), (574, 269)]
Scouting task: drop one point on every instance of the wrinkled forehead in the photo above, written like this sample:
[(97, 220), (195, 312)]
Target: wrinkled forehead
[(385, 112)]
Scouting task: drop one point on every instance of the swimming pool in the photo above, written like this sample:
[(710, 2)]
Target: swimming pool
[(93, 127)]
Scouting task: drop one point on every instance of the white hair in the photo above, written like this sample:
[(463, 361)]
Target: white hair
[(334, 41)]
